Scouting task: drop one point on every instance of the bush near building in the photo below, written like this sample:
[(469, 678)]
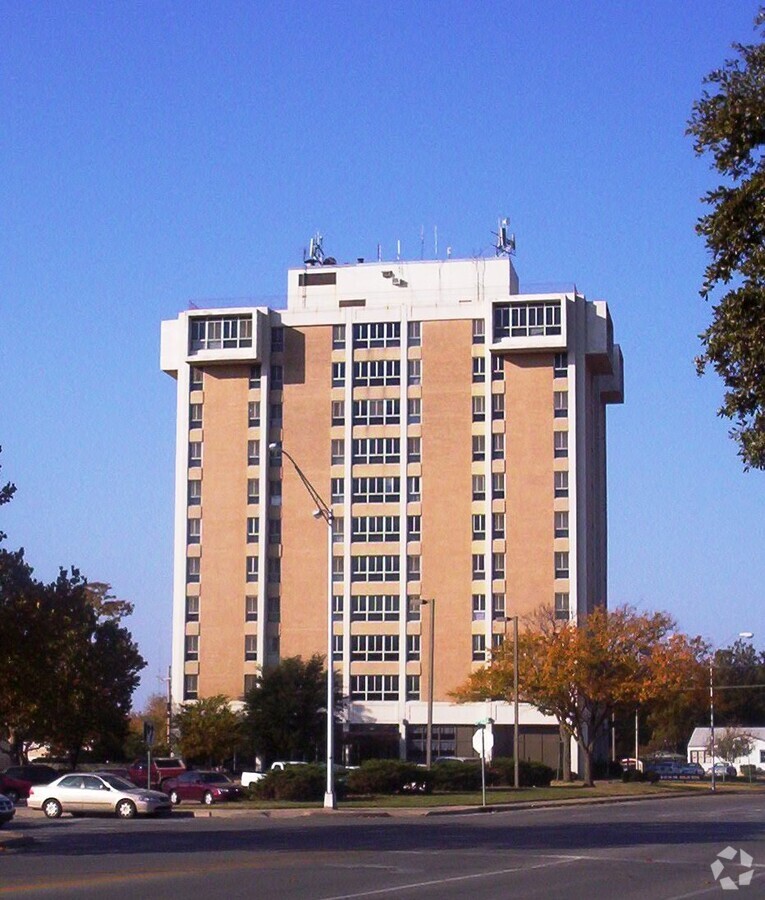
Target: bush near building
[(389, 776), (530, 774), (295, 783)]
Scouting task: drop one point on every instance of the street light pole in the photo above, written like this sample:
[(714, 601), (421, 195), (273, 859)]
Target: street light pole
[(712, 719), (431, 669), (516, 729), (324, 512)]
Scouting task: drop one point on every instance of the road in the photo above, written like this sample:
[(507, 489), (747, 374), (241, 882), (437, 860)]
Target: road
[(655, 849)]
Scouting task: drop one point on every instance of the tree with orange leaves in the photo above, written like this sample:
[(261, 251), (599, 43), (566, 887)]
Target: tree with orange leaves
[(581, 672)]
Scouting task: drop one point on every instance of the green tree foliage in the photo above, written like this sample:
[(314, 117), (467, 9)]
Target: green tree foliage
[(209, 730), (728, 122), (286, 710), (730, 744), (7, 491), (154, 711), (739, 674)]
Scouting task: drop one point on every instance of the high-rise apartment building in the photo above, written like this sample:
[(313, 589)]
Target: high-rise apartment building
[(455, 428)]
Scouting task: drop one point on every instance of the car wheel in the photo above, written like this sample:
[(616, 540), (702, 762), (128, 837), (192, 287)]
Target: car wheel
[(174, 798), (12, 795), (207, 799), (126, 809), (52, 808)]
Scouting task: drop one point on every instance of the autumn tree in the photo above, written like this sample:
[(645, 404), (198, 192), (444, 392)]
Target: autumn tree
[(155, 712), (209, 730), (728, 122), (580, 673)]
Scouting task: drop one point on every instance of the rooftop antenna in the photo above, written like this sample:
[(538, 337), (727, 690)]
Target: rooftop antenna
[(398, 249), (379, 252), (314, 256), (505, 245)]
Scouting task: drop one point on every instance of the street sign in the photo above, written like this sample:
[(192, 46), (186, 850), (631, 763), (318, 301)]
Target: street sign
[(483, 742), (148, 733)]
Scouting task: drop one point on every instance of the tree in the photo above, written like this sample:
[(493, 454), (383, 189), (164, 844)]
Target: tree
[(581, 673), (154, 711), (210, 731), (729, 123), (730, 745), (286, 710), (6, 495), (739, 675)]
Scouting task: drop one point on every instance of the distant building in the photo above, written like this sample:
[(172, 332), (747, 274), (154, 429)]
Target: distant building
[(457, 430), (699, 748)]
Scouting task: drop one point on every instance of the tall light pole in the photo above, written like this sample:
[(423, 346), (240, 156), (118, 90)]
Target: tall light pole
[(741, 634), (431, 668), (323, 511)]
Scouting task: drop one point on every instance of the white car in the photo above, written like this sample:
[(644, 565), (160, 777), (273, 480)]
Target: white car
[(249, 778), (86, 792)]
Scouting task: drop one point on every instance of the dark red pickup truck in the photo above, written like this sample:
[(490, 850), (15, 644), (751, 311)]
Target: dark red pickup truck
[(162, 768)]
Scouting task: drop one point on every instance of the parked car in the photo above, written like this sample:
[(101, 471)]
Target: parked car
[(280, 765), (7, 810), (86, 792), (722, 770), (673, 769), (162, 768), (203, 786), (16, 781)]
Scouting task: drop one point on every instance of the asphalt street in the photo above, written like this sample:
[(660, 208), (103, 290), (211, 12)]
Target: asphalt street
[(657, 849)]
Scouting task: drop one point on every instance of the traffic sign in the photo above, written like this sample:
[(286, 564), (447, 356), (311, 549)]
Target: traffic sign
[(148, 733), (483, 742)]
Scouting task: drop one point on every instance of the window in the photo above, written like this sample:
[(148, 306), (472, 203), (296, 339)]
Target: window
[(479, 567), (479, 408), (414, 371), (190, 687), (337, 490), (337, 607), (338, 412), (196, 379), (377, 334), (338, 568), (376, 450), (275, 455), (560, 365), (337, 647), (414, 410), (274, 531), (253, 490), (479, 331), (498, 606), (277, 378), (377, 373), (414, 528), (498, 446), (479, 606), (250, 683), (560, 404), (374, 687), (338, 337), (253, 453), (376, 490), (560, 444), (251, 648), (412, 687), (479, 368), (193, 531), (498, 566), (498, 486), (195, 454), (338, 529), (254, 381), (479, 647), (498, 406), (497, 367), (533, 319), (214, 333), (376, 412), (413, 607), (192, 609), (375, 568), (414, 334), (192, 569), (275, 412), (250, 608), (498, 525), (375, 608), (253, 413), (374, 647), (413, 490), (561, 524), (338, 374), (277, 339), (195, 415), (252, 568), (375, 529), (561, 606), (337, 451), (413, 449), (195, 493), (413, 646), (479, 447), (479, 527), (274, 570), (274, 607), (479, 487), (275, 492), (561, 484), (413, 568), (561, 564)]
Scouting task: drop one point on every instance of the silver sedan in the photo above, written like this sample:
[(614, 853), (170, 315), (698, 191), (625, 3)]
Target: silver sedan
[(81, 793)]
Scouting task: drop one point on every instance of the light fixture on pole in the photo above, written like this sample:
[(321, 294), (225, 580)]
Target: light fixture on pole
[(741, 634), (431, 657), (322, 511)]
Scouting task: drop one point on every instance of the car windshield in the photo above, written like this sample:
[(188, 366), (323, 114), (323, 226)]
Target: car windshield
[(215, 778), (120, 784)]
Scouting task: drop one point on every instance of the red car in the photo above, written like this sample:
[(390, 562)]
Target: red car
[(16, 781), (206, 787), (162, 769)]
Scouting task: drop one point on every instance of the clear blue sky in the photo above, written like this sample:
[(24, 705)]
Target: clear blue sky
[(157, 153)]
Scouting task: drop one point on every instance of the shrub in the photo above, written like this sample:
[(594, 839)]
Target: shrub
[(749, 772), (456, 776), (530, 773), (632, 775), (388, 776), (299, 783)]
